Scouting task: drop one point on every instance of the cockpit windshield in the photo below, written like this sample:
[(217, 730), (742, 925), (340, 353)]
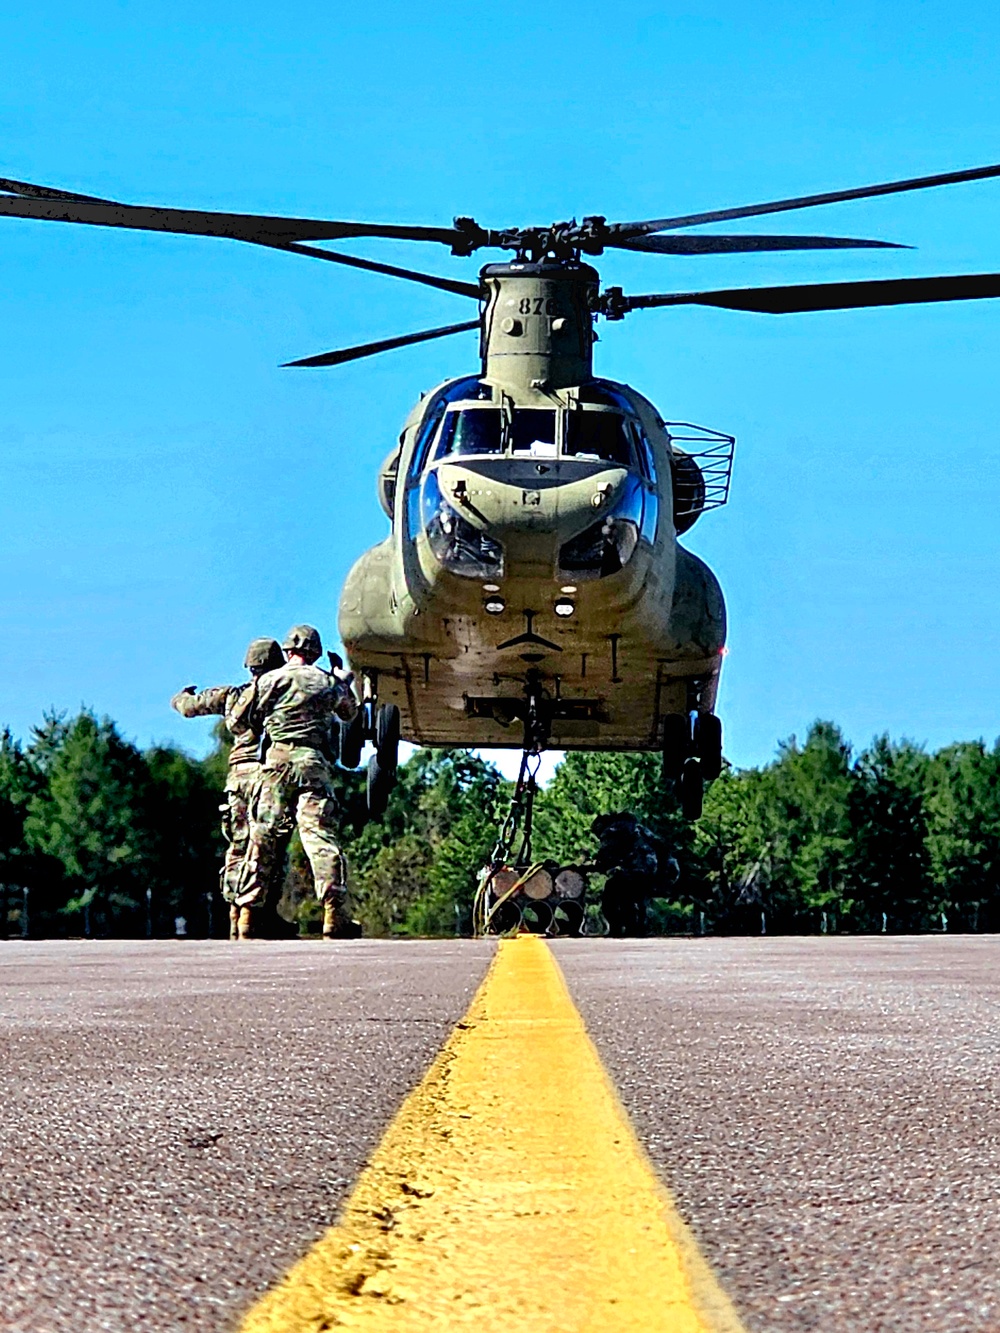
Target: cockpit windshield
[(536, 432), (602, 435), (487, 430), (477, 431), (533, 432)]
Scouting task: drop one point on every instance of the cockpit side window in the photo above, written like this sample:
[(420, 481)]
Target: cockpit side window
[(476, 431), (467, 388), (603, 435)]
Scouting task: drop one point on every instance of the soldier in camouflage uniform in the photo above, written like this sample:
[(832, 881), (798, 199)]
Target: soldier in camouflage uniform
[(232, 703), (294, 710)]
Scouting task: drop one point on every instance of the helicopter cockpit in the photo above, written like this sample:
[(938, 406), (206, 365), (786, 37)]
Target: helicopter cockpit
[(597, 439)]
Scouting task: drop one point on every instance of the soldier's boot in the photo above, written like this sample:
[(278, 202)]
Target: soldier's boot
[(234, 922), (249, 923), (337, 921)]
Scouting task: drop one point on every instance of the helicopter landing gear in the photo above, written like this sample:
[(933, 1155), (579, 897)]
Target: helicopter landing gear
[(692, 756), (387, 736), (676, 744), (352, 740), (708, 744), (378, 785), (692, 789), (383, 763), (378, 723)]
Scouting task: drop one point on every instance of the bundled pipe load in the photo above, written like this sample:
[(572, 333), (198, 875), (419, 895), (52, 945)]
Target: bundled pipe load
[(542, 899)]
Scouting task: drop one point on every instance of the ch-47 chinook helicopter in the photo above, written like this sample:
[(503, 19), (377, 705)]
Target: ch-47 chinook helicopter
[(532, 591)]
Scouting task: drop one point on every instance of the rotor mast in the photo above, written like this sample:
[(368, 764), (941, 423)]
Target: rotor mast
[(537, 332)]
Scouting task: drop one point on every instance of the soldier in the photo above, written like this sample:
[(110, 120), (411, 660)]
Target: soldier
[(294, 710), (628, 856), (232, 703)]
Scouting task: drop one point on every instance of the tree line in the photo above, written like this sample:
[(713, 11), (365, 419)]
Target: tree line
[(98, 837)]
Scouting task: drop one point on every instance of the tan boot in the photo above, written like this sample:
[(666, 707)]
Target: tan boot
[(337, 923), (248, 924), (234, 922)]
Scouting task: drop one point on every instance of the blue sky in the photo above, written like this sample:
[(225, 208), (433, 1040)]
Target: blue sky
[(167, 492)]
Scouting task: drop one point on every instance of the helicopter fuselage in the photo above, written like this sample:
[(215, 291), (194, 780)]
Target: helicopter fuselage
[(534, 542)]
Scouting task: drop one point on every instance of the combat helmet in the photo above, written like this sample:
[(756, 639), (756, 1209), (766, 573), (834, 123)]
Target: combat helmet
[(264, 653), (305, 640)]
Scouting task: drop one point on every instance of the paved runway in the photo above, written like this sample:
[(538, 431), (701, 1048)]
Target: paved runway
[(826, 1113), (180, 1121)]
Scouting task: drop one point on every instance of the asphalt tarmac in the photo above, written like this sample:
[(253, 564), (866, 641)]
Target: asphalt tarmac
[(826, 1113), (179, 1121)]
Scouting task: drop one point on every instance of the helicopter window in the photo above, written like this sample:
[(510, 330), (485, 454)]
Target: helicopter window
[(651, 501), (607, 545), (601, 435), (533, 431), (466, 388), (474, 432), (461, 548)]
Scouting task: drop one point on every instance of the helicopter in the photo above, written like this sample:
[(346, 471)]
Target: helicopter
[(532, 591)]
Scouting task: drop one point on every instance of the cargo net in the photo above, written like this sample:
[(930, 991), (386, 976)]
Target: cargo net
[(706, 484)]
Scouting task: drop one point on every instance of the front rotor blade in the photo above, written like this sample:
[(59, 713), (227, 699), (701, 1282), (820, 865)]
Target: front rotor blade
[(386, 345), (29, 201), (804, 201), (833, 295), (734, 245), (370, 266), (47, 192)]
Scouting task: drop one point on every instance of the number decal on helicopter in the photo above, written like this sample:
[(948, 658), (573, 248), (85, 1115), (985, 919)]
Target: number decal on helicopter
[(536, 305)]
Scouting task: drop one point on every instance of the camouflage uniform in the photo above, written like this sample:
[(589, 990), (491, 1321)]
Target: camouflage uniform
[(294, 709), (232, 704)]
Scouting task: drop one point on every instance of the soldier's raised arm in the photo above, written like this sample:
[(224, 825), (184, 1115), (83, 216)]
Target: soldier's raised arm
[(346, 706), (213, 702)]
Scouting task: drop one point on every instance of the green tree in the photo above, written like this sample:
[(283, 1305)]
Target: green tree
[(891, 858), (179, 806), (963, 803), (589, 783), (738, 842), (29, 882), (415, 871), (89, 816)]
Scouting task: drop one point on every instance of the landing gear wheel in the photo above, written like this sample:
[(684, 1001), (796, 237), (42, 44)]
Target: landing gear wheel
[(387, 737), (692, 791), (379, 787), (676, 744), (708, 745), (352, 740)]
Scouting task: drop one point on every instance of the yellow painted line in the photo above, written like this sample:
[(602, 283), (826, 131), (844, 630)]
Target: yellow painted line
[(509, 1193)]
